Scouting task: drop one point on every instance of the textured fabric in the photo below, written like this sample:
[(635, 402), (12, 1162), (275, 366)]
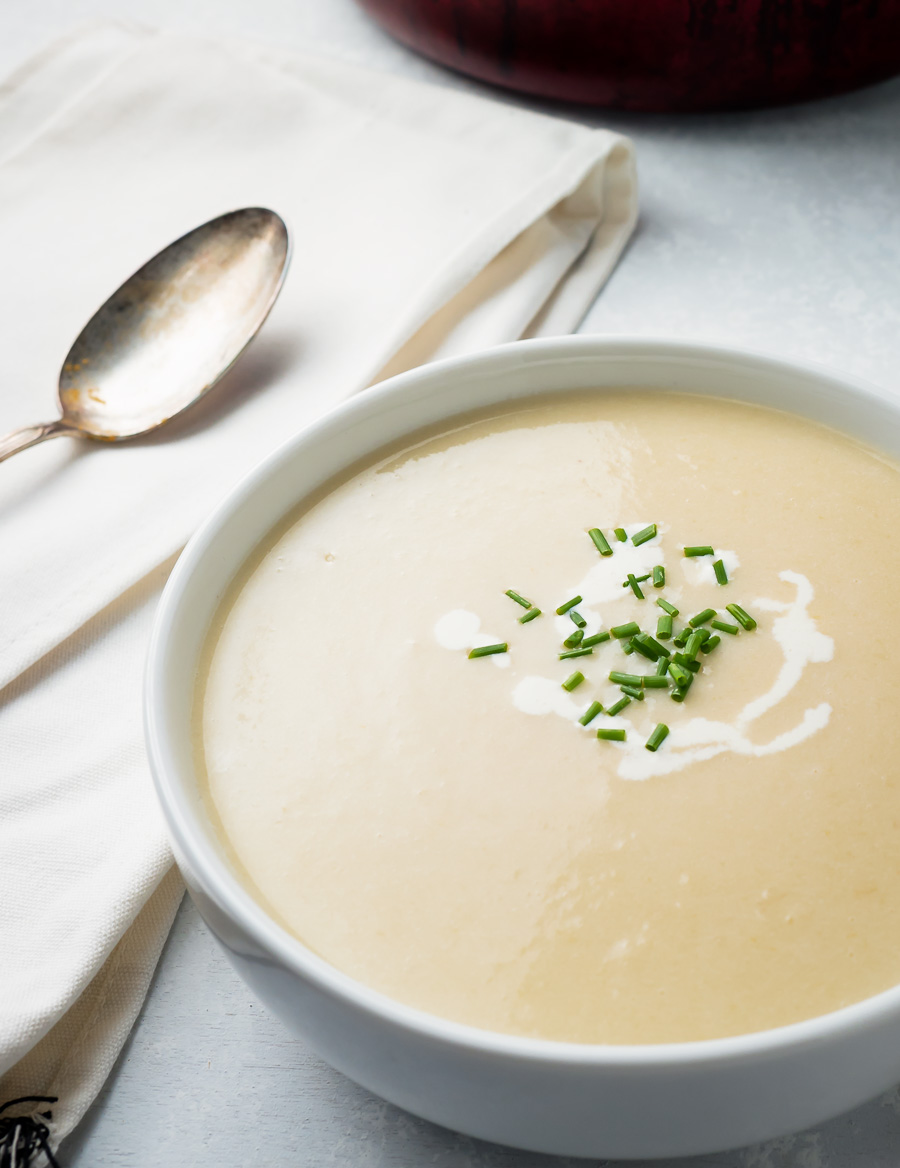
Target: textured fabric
[(425, 223)]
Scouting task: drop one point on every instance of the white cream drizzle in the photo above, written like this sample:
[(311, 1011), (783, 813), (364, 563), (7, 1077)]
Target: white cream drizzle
[(697, 739), (460, 629)]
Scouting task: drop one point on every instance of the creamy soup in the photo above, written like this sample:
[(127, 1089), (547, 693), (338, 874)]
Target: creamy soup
[(449, 829)]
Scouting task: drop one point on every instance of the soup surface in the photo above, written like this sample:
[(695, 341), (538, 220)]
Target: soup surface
[(443, 828)]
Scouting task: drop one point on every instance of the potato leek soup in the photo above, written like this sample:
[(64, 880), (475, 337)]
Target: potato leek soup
[(578, 720)]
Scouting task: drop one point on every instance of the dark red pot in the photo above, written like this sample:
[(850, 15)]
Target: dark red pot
[(657, 54)]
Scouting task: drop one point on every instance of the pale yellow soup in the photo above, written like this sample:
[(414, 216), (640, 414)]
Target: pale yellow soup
[(444, 830)]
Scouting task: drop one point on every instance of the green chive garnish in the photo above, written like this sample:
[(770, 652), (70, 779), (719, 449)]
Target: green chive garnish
[(655, 681), (687, 662), (627, 630), (577, 618), (620, 534), (708, 646), (618, 707), (658, 737), (701, 550), (660, 650), (662, 666), (563, 608), (744, 619), (600, 541), (640, 580), (640, 646), (680, 639), (574, 639), (644, 535), (628, 647), (724, 627), (625, 678), (681, 676), (679, 693), (634, 586), (611, 735), (692, 648), (517, 598), (488, 650), (529, 616), (721, 574), (569, 653), (659, 576), (573, 681), (664, 627), (666, 607), (590, 713), (596, 639), (701, 618), (633, 691)]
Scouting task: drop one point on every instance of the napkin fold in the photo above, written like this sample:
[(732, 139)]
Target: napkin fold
[(425, 223)]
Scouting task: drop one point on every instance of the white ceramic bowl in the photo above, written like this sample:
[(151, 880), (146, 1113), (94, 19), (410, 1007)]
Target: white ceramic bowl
[(610, 1101)]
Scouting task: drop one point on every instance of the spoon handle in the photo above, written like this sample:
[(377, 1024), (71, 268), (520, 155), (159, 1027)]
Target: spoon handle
[(30, 436)]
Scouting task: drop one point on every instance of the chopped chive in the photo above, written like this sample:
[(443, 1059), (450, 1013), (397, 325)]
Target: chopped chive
[(658, 736), (662, 666), (600, 541), (628, 647), (633, 691), (611, 735), (529, 616), (517, 598), (681, 676), (692, 648), (700, 550), (627, 630), (708, 646), (705, 634), (659, 576), (664, 627), (655, 681), (724, 627), (640, 579), (652, 643), (640, 646), (563, 608), (574, 639), (569, 653), (680, 639), (573, 681), (644, 535), (721, 574), (701, 618), (620, 534), (634, 586), (577, 618), (687, 662), (625, 678), (618, 707), (595, 639), (744, 619), (666, 607), (679, 693), (590, 713), (488, 650)]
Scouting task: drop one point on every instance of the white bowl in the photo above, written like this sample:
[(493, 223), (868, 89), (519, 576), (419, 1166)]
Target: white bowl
[(565, 1098)]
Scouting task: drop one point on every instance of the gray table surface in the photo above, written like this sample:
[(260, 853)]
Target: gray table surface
[(777, 230)]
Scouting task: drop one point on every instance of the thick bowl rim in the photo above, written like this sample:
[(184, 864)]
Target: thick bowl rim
[(237, 903)]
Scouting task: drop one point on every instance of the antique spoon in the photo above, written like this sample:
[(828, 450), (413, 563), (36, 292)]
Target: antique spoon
[(170, 332)]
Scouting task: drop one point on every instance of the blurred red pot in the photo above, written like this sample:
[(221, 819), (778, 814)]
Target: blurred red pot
[(657, 54)]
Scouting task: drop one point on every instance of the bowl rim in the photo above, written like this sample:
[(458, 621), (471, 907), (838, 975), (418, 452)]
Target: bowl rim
[(235, 901)]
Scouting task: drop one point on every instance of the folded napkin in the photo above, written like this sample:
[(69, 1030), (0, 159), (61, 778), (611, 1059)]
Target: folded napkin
[(425, 222)]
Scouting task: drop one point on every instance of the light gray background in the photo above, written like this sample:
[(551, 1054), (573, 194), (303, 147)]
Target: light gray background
[(778, 230)]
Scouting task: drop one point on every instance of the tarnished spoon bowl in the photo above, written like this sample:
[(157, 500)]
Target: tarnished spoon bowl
[(170, 332)]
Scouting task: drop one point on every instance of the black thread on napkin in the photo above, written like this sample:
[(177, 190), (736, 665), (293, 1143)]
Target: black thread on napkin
[(22, 1137)]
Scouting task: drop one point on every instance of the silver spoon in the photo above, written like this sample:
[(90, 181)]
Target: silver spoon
[(170, 332)]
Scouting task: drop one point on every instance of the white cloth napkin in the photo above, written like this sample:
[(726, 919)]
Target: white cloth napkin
[(425, 222)]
